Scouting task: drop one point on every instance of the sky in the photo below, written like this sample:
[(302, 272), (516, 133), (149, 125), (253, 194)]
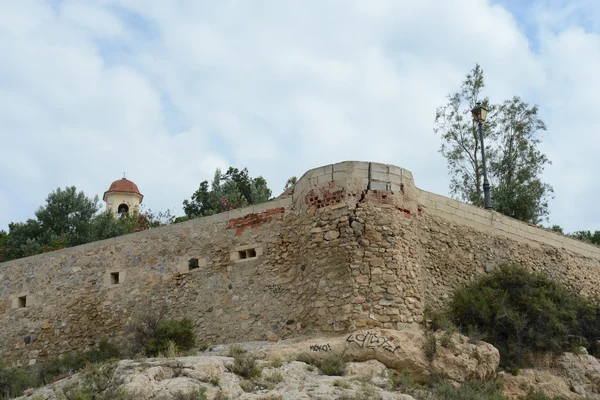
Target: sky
[(168, 91)]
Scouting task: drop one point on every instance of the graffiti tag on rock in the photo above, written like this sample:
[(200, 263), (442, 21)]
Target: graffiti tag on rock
[(320, 347), (372, 340), (275, 289)]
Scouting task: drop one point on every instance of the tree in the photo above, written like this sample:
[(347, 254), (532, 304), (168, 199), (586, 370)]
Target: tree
[(587, 236), (509, 134), (290, 182), (231, 190), (67, 214), (519, 192), (462, 145), (70, 218), (3, 241), (64, 221)]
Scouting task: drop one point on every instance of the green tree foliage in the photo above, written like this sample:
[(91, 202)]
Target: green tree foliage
[(64, 221), (69, 218), (14, 381), (3, 241), (290, 182), (510, 136), (518, 312), (587, 236), (231, 190), (517, 165), (584, 236), (179, 332)]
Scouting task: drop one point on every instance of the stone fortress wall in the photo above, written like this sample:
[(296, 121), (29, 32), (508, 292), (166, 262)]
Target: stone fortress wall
[(356, 245)]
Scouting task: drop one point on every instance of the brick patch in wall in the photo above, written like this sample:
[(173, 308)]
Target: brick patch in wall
[(325, 196), (253, 220), (379, 197)]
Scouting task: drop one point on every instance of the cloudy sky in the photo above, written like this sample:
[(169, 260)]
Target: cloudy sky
[(167, 91)]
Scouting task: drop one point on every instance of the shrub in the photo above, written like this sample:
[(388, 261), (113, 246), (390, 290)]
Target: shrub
[(178, 332), (519, 312), (430, 345), (196, 394), (333, 365), (235, 350), (13, 381), (245, 366), (470, 390), (97, 382), (54, 368)]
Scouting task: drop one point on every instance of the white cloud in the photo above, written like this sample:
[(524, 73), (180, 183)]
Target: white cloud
[(86, 95)]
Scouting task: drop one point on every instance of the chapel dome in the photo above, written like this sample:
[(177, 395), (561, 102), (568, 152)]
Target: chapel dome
[(123, 185)]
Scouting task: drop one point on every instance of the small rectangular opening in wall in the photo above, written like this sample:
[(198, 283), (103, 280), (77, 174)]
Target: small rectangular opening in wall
[(22, 302), (114, 278), (245, 253), (193, 263)]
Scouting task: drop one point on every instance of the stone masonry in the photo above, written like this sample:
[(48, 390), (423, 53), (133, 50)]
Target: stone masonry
[(355, 246)]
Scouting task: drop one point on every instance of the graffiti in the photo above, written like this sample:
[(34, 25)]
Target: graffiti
[(322, 347), (372, 340), (275, 289)]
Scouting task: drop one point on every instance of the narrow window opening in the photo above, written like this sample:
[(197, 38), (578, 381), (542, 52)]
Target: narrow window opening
[(251, 253), (22, 302), (114, 278), (242, 254), (193, 263)]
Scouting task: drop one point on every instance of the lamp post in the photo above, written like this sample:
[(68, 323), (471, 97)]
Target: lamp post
[(479, 115)]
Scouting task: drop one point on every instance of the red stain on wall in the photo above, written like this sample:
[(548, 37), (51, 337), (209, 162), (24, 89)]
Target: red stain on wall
[(254, 220)]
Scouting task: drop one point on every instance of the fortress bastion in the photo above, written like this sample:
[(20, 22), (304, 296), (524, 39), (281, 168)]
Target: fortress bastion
[(355, 245)]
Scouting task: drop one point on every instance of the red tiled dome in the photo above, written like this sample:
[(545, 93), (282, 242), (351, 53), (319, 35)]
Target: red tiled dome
[(123, 185)]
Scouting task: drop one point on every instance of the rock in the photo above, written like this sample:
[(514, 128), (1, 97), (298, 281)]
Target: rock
[(572, 376), (331, 235), (460, 360), (367, 368), (403, 349)]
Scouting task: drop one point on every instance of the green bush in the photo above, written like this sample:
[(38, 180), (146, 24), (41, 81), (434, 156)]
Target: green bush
[(519, 312), (57, 367), (470, 390), (333, 365), (196, 394), (179, 332), (245, 365), (13, 381)]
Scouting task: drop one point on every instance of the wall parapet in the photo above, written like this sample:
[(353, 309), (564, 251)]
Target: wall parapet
[(181, 226), (496, 223)]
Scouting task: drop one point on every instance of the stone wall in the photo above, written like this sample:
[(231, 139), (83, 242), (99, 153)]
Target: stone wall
[(356, 245)]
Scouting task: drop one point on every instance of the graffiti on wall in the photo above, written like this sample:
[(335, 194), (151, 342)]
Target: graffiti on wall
[(372, 340), (275, 289), (320, 347)]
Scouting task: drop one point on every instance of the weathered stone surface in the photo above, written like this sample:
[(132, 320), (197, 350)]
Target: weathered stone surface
[(572, 376), (162, 378), (399, 350), (335, 258)]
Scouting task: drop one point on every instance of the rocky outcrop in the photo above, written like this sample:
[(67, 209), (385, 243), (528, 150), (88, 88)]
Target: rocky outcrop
[(401, 350), (290, 368), (572, 376)]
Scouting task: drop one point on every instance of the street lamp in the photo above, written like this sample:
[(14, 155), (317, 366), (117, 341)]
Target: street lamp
[(479, 115)]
